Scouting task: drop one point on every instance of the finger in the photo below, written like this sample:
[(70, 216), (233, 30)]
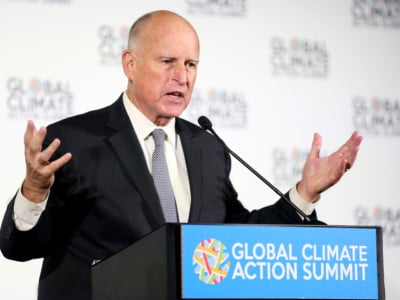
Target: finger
[(353, 142), (350, 159), (61, 161), (316, 146), (29, 133), (339, 167), (357, 138), (36, 142), (347, 165), (351, 148), (49, 151)]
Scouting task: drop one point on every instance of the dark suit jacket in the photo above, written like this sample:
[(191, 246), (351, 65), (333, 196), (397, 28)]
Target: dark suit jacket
[(104, 199)]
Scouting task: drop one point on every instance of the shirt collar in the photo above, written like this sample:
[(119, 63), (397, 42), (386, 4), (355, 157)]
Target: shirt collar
[(143, 126)]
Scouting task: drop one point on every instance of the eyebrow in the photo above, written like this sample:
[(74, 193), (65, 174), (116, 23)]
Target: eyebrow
[(196, 60)]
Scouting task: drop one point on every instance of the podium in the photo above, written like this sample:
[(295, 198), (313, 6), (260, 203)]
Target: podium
[(188, 261)]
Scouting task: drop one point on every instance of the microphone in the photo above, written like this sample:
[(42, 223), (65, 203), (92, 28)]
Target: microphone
[(206, 124)]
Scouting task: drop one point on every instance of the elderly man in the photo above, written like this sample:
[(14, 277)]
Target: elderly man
[(100, 181)]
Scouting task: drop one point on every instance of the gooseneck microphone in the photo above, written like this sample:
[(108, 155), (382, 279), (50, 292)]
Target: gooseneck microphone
[(206, 124)]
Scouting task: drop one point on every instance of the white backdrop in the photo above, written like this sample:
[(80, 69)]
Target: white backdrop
[(272, 73)]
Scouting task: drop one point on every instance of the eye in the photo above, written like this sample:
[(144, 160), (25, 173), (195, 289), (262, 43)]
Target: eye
[(191, 64), (166, 61)]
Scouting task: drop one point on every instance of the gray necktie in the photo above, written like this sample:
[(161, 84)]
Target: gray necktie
[(161, 178)]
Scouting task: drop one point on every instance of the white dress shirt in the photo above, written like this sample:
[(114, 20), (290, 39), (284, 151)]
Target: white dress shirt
[(173, 154)]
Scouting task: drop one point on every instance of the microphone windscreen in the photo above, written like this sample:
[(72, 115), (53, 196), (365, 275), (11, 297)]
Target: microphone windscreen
[(205, 122)]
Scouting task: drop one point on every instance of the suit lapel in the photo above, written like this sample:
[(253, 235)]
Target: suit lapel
[(128, 151), (193, 160)]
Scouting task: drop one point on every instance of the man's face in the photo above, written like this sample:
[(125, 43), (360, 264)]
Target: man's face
[(165, 69)]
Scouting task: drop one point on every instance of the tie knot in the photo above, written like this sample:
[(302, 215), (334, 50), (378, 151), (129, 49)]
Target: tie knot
[(158, 136)]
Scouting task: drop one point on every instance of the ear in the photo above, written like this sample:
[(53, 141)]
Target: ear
[(128, 63)]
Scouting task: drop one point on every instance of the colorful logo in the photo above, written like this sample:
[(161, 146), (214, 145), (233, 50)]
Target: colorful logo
[(36, 98), (377, 115), (299, 57), (211, 261), (111, 44), (386, 217)]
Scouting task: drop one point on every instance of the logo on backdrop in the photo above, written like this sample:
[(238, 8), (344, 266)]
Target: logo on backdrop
[(376, 13), (211, 261), (377, 115), (224, 108), (299, 57), (287, 164), (234, 8), (112, 41), (38, 98), (386, 217)]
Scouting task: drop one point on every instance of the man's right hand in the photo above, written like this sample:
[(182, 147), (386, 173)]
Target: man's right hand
[(39, 170)]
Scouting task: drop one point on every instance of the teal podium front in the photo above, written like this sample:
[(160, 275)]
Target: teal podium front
[(190, 261)]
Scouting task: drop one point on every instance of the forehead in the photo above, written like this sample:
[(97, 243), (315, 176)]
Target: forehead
[(169, 34)]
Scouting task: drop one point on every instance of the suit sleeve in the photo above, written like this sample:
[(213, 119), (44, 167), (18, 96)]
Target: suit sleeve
[(40, 240), (24, 245)]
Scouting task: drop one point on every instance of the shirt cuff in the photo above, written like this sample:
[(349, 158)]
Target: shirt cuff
[(304, 205), (27, 213)]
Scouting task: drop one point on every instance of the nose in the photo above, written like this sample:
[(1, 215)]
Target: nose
[(180, 74)]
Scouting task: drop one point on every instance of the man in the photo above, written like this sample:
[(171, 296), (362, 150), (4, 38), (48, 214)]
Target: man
[(94, 194)]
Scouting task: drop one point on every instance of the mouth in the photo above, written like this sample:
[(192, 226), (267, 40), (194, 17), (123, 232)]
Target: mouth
[(176, 96)]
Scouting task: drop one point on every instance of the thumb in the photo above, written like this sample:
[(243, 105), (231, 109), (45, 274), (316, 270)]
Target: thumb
[(316, 146)]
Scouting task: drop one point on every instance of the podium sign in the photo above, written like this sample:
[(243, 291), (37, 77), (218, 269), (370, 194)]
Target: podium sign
[(281, 262)]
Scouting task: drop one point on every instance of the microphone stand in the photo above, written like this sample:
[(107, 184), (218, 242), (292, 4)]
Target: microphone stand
[(206, 124)]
